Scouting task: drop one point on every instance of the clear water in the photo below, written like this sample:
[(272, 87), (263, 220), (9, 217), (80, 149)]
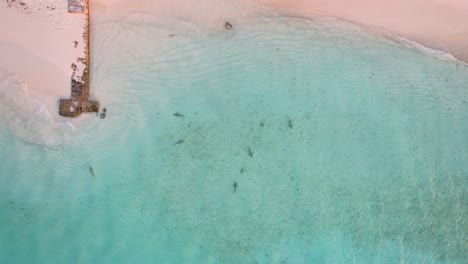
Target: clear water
[(358, 152)]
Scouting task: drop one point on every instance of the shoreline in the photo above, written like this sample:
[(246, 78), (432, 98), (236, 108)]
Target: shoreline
[(41, 35), (401, 40), (439, 25), (30, 95), (378, 32)]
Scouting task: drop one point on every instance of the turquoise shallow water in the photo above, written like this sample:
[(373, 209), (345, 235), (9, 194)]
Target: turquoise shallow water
[(345, 148)]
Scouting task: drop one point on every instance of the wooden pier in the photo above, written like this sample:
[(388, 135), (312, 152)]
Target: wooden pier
[(79, 102)]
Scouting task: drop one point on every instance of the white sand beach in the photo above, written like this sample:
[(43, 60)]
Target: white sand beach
[(37, 44)]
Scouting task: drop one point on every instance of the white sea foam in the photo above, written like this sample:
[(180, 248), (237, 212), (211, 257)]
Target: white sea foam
[(439, 54), (30, 115), (373, 30)]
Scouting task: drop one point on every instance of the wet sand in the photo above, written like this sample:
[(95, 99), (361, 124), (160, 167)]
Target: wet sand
[(437, 24)]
